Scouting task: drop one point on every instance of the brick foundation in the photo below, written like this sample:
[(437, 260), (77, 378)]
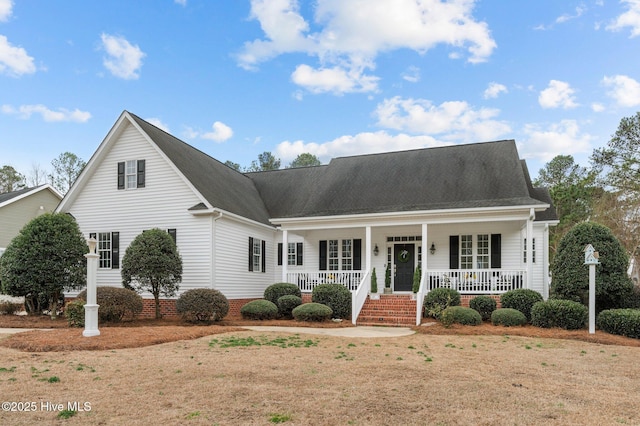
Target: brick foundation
[(466, 298)]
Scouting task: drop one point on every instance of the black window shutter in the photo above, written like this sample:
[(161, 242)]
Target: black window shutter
[(115, 250), (298, 254), (264, 256), (496, 251), (279, 254), (454, 251), (323, 256), (357, 255), (121, 175), (173, 233), (250, 254), (141, 166)]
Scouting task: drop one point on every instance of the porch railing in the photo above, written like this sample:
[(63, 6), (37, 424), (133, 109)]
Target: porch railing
[(475, 281), (359, 297), (307, 281)]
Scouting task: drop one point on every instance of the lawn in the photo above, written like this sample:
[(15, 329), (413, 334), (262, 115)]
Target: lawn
[(239, 377)]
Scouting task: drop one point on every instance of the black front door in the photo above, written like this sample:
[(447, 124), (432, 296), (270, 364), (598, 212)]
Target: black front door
[(403, 259)]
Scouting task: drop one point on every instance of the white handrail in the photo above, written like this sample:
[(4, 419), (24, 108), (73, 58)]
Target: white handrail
[(420, 299), (358, 298)]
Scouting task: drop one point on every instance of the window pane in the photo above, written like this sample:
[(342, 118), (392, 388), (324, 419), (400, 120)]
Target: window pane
[(347, 255), (257, 253), (466, 252), (483, 251), (104, 249), (333, 255), (291, 254), (132, 175)]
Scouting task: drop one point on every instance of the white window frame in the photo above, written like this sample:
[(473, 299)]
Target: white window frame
[(131, 174), (104, 249), (257, 255), (346, 264), (533, 251), (466, 251), (292, 254), (483, 251), (333, 255)]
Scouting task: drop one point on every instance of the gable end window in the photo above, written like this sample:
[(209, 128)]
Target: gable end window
[(257, 258), (131, 174)]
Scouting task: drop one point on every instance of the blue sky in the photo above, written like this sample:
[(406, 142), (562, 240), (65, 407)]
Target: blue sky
[(331, 77)]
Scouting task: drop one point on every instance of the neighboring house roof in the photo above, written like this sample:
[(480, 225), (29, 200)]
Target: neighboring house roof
[(469, 176), (11, 197)]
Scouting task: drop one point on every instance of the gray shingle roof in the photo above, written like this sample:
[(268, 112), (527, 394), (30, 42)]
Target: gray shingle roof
[(486, 174), (9, 195)]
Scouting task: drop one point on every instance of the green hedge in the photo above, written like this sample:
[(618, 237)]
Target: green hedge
[(277, 290), (521, 299), (202, 305), (116, 303), (259, 310), (624, 322), (312, 312), (335, 296), (508, 317), (460, 315), (565, 314), (439, 299), (74, 313), (287, 303), (485, 306)]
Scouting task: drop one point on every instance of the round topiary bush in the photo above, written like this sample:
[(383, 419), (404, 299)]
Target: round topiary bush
[(460, 315), (202, 305), (508, 317), (521, 299), (571, 277), (259, 310), (623, 322), (277, 290), (312, 312), (335, 296), (288, 303), (565, 314), (116, 303), (485, 305), (439, 299)]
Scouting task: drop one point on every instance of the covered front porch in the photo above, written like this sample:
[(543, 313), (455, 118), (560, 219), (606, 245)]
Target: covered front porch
[(487, 251)]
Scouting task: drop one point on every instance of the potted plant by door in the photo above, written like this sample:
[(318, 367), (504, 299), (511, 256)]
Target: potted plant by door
[(417, 274), (387, 280), (374, 295)]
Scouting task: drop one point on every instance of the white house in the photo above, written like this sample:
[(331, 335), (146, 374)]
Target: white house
[(467, 214)]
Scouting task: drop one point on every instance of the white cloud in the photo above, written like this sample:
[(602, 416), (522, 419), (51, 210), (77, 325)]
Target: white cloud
[(5, 10), (494, 89), (453, 120), (597, 107), (353, 32), (624, 90), (412, 74), (559, 138), (124, 59), (181, 2), (62, 114), (336, 80), (361, 143), (630, 18), (158, 123), (559, 94), (579, 11), (221, 132), (14, 61)]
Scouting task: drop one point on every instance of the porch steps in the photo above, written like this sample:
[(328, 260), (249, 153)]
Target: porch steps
[(390, 310)]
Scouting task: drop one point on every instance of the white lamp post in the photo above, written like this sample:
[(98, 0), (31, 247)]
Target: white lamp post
[(91, 307), (591, 258)]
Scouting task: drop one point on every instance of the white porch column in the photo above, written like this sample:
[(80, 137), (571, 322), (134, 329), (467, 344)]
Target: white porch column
[(285, 254), (425, 248), (532, 215), (367, 245)]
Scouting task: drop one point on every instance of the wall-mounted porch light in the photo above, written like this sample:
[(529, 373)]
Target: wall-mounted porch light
[(376, 250), (432, 249)]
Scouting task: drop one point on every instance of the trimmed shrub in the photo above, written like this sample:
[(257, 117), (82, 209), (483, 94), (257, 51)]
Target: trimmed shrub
[(508, 317), (571, 277), (116, 303), (485, 305), (460, 315), (9, 308), (277, 290), (202, 305), (335, 296), (565, 314), (74, 313), (521, 299), (623, 322), (439, 299), (633, 301), (312, 312), (288, 303), (259, 310)]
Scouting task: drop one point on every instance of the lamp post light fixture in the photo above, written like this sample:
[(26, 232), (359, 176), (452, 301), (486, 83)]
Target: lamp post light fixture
[(91, 307), (432, 249)]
